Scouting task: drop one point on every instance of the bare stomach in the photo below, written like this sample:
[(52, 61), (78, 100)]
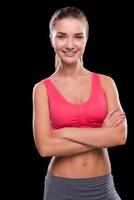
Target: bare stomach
[(85, 165)]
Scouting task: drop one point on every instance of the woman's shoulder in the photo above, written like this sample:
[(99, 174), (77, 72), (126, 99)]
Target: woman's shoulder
[(39, 87), (105, 79)]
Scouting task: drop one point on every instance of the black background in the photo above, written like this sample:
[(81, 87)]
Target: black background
[(31, 58)]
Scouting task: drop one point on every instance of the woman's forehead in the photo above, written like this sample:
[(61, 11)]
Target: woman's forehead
[(69, 24)]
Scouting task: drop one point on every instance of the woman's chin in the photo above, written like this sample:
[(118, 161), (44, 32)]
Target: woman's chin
[(70, 61)]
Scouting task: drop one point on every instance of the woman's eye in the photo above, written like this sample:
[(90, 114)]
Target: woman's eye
[(63, 37), (79, 37), (60, 36)]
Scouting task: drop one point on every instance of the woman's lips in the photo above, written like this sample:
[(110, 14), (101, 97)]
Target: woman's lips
[(69, 53)]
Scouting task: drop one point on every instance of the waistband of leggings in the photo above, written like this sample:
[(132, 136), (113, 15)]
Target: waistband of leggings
[(94, 180)]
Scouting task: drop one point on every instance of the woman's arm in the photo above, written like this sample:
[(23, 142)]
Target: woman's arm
[(114, 129), (96, 137), (46, 143)]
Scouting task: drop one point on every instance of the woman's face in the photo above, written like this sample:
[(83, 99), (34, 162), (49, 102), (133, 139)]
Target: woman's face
[(69, 39)]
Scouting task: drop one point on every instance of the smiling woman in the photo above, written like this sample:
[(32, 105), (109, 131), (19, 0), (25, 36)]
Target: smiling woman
[(77, 115), (69, 40), (69, 35)]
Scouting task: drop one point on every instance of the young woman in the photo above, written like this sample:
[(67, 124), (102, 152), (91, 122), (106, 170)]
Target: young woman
[(77, 115)]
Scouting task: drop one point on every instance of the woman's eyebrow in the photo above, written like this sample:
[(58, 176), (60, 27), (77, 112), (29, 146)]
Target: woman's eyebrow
[(61, 33), (78, 33)]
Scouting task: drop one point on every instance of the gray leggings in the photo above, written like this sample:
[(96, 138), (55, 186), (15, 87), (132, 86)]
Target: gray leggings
[(96, 188)]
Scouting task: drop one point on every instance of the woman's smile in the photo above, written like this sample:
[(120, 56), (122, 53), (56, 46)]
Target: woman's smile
[(69, 53)]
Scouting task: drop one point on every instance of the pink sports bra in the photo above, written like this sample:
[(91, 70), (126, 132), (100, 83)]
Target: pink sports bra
[(66, 114)]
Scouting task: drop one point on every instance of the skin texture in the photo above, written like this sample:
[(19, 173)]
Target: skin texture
[(76, 152)]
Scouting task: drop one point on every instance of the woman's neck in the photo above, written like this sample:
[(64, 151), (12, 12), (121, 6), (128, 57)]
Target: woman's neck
[(71, 70)]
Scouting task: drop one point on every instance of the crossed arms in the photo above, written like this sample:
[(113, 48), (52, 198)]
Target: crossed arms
[(71, 141)]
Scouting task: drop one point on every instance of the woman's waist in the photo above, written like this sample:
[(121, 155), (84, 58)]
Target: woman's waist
[(89, 164)]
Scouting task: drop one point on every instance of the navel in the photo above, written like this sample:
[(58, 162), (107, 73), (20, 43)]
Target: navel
[(84, 163)]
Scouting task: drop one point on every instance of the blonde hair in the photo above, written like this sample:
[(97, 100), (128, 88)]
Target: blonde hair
[(57, 61), (67, 12)]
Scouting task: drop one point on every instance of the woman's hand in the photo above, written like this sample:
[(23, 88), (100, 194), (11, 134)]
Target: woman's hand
[(59, 133), (113, 118)]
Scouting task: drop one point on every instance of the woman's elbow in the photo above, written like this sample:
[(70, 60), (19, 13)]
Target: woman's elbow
[(43, 146), (123, 135), (123, 138), (44, 152)]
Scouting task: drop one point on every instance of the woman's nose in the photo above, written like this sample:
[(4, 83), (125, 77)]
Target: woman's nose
[(70, 44)]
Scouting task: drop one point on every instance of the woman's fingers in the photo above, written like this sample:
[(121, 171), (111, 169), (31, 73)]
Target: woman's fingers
[(117, 116), (114, 117), (118, 121), (112, 112)]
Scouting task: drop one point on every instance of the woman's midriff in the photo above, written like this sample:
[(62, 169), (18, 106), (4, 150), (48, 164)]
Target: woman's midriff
[(85, 165)]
